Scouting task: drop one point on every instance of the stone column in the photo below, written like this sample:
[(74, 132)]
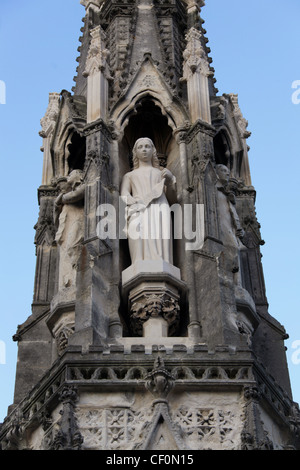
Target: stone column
[(196, 71), (92, 288), (97, 74), (188, 267)]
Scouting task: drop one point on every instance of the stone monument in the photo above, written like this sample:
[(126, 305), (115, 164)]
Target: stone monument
[(151, 282), (154, 331)]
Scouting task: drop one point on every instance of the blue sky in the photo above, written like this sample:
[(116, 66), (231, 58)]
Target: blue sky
[(255, 49)]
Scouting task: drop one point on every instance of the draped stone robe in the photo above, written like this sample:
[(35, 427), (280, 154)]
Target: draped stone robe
[(149, 227)]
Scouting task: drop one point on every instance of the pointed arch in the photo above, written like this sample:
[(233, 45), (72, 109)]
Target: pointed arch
[(149, 82), (68, 141), (60, 149), (162, 433), (147, 120), (148, 108), (223, 148)]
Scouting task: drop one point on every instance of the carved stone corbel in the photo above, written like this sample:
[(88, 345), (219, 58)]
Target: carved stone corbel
[(154, 306)]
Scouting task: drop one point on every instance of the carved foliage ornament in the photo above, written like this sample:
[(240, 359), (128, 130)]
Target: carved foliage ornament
[(153, 306), (98, 54), (62, 338), (195, 59)]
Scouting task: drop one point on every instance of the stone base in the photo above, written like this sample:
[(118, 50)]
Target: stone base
[(205, 400), (149, 268)]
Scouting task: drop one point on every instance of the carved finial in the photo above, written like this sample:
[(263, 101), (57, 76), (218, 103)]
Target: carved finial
[(49, 120), (195, 58), (159, 381), (68, 436), (68, 394), (97, 54)]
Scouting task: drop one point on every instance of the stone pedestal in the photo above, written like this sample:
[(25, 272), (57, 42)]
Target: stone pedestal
[(152, 290), (155, 327)]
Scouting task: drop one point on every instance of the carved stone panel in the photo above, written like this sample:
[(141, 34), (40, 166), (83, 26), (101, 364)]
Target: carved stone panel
[(109, 428), (206, 426)]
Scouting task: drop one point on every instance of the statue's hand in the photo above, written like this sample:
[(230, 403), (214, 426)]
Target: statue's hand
[(168, 175), (137, 207), (58, 200)]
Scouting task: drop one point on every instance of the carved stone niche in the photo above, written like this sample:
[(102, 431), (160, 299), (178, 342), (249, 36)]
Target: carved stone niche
[(61, 324), (153, 291)]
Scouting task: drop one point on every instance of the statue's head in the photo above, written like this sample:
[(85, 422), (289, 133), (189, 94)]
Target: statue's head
[(61, 182), (223, 173), (75, 178), (144, 144)]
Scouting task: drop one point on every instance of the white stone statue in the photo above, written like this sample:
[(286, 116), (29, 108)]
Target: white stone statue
[(68, 214), (145, 190)]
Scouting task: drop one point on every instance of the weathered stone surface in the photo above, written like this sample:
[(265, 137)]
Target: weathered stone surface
[(207, 368)]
